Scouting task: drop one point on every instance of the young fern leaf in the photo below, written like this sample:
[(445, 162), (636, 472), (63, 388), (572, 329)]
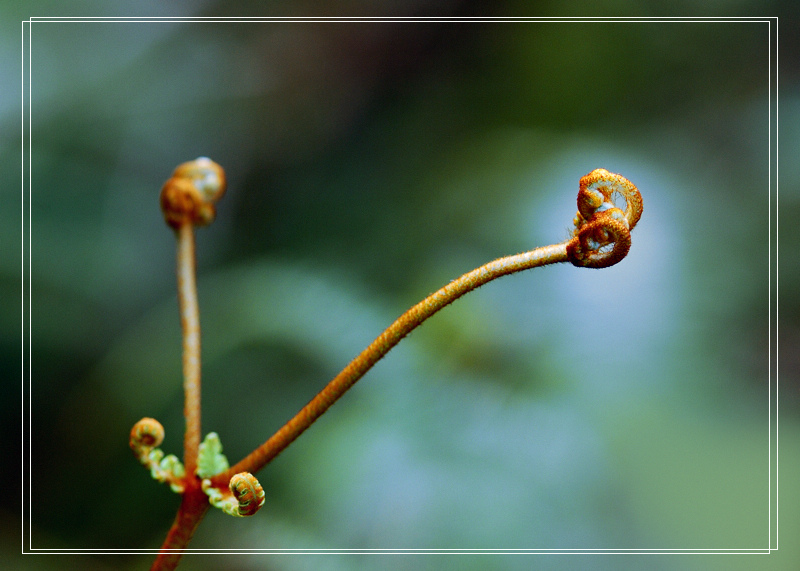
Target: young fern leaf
[(210, 459)]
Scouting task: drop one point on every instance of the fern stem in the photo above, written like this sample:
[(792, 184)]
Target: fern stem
[(190, 325), (406, 323)]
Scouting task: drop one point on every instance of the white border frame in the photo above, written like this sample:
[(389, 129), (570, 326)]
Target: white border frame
[(773, 282)]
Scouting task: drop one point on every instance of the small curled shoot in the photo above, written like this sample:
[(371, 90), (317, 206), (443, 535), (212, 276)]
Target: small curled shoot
[(602, 235), (248, 491), (145, 436), (244, 496), (190, 194)]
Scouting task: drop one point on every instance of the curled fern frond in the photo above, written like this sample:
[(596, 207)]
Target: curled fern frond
[(602, 235), (190, 194), (243, 498), (145, 436), (248, 491)]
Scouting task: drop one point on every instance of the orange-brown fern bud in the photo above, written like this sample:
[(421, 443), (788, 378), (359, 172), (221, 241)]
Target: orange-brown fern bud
[(602, 235), (189, 196)]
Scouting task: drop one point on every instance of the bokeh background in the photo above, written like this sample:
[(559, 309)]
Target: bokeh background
[(368, 164)]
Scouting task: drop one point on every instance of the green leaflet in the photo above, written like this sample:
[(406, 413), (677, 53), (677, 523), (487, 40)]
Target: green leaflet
[(210, 459)]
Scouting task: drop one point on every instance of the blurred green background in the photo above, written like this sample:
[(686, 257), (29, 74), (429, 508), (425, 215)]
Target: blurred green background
[(368, 164)]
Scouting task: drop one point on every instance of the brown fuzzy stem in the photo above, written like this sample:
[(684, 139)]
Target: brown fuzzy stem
[(383, 344), (190, 325)]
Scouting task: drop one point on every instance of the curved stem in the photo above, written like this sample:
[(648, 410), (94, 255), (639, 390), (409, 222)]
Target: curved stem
[(383, 344), (190, 325)]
